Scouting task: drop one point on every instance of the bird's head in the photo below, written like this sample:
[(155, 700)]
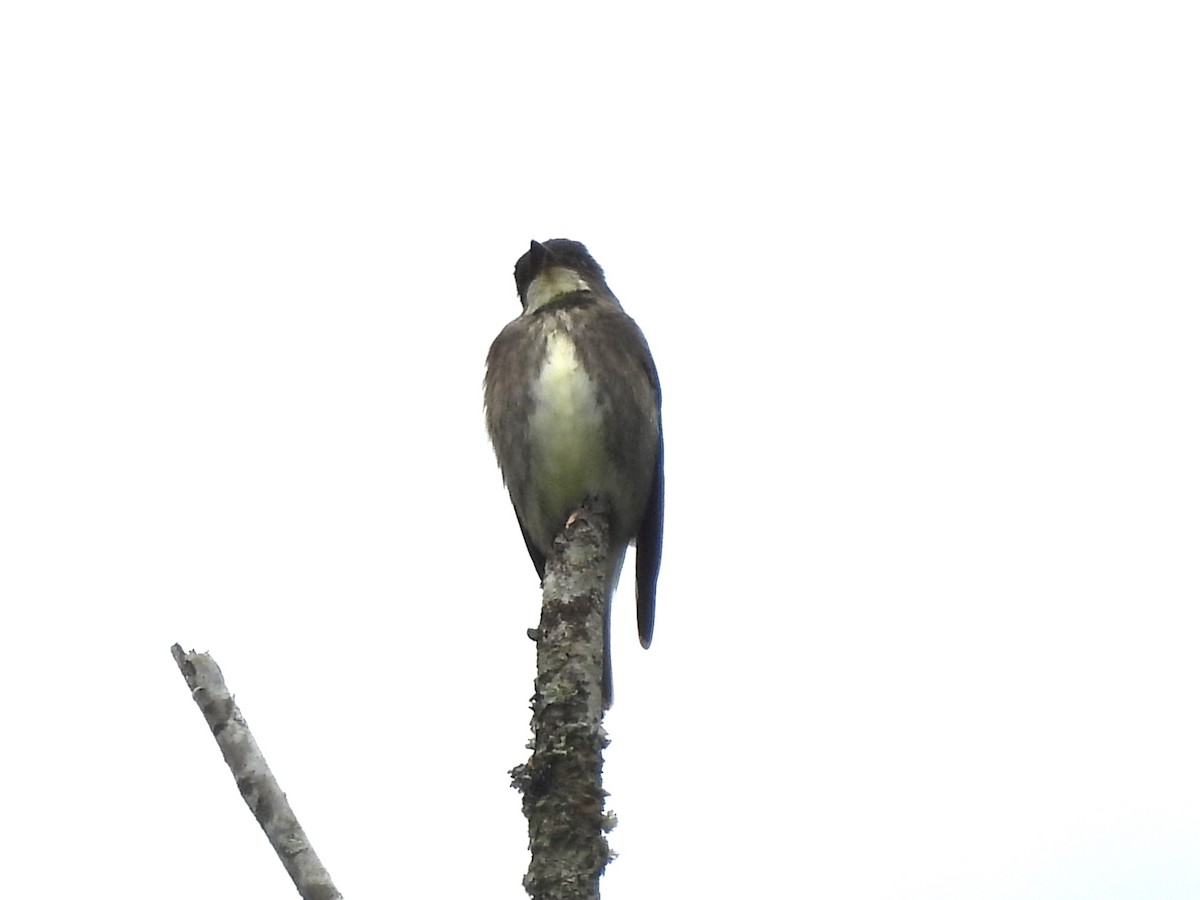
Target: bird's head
[(553, 269)]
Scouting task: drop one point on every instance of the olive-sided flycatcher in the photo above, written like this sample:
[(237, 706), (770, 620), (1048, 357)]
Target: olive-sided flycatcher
[(574, 410)]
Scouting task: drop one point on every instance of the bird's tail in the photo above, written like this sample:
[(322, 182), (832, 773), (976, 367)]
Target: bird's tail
[(616, 560)]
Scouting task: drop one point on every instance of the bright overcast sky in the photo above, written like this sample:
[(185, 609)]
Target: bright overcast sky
[(921, 283)]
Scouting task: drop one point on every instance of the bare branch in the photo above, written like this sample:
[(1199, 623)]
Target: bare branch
[(254, 779), (561, 784)]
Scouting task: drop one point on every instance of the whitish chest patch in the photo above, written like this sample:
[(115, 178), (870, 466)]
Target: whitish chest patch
[(566, 429)]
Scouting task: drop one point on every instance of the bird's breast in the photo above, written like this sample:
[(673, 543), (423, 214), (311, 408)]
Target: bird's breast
[(566, 429)]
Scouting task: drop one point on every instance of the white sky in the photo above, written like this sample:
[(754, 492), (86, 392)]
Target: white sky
[(921, 283)]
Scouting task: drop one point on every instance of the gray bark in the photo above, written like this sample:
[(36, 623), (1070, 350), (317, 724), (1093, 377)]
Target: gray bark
[(254, 779), (561, 783)]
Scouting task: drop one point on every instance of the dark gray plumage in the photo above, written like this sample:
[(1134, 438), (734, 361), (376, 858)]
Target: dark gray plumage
[(574, 410)]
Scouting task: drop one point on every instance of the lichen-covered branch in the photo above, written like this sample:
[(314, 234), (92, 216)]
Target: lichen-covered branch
[(254, 779), (561, 784)]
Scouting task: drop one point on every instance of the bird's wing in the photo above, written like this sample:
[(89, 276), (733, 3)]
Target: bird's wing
[(507, 406), (621, 331), (538, 557)]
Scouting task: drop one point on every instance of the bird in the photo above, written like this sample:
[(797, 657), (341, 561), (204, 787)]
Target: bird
[(573, 407)]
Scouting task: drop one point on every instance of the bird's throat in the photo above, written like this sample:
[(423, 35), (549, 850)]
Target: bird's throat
[(551, 284)]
